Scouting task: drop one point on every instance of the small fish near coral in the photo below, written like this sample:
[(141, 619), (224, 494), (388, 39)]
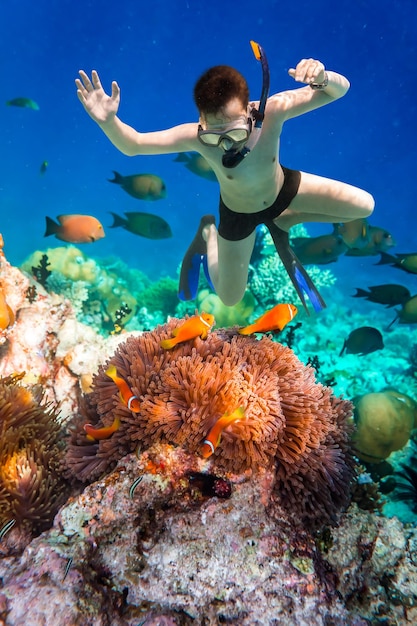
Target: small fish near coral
[(197, 165), (7, 316), (214, 436), (23, 103), (274, 319), (97, 434), (125, 392), (195, 326), (363, 340), (144, 224), (390, 294), (141, 186), (75, 228)]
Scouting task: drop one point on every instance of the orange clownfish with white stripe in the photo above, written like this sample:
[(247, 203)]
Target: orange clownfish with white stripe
[(274, 319), (215, 433), (95, 434), (195, 326), (125, 392)]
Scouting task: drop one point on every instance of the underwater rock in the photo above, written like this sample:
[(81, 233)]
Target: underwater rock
[(384, 422)]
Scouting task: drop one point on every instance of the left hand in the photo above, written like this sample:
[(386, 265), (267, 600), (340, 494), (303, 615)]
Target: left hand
[(308, 71)]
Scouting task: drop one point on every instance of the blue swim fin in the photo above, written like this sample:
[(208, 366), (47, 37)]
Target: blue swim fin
[(195, 256), (298, 275)]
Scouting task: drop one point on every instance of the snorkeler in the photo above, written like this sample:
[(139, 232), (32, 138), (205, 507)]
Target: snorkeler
[(240, 141)]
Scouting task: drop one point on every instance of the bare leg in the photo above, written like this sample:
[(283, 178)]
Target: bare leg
[(228, 263), (322, 199)]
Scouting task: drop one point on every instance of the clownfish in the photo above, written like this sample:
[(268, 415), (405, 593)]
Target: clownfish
[(196, 326), (275, 319), (125, 392), (6, 314), (214, 436), (94, 434)]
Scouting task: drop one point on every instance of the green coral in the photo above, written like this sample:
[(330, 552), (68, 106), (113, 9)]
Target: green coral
[(160, 296)]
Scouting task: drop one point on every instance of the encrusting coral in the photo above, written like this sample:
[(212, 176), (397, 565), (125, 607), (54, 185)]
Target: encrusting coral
[(290, 422), (31, 482)]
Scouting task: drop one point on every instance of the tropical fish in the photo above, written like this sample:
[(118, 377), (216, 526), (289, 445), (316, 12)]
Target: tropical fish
[(363, 340), (95, 434), (380, 240), (24, 103), (355, 234), (274, 319), (125, 392), (7, 317), (75, 228), (408, 313), (406, 262), (197, 164), (43, 167), (214, 435), (143, 224), (390, 295), (195, 326), (141, 186), (318, 250)]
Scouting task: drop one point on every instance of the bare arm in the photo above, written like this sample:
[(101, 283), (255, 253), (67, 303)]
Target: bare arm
[(103, 108), (288, 104)]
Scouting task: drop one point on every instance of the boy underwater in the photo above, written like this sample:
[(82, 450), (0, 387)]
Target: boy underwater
[(240, 141)]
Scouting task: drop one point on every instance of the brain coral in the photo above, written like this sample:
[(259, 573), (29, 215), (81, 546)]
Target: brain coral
[(291, 421)]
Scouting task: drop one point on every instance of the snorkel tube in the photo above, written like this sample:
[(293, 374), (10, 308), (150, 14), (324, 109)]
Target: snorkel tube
[(233, 158)]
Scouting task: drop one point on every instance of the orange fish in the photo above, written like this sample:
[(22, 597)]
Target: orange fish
[(214, 436), (126, 395), (6, 314), (75, 228), (196, 326), (275, 319), (94, 434)]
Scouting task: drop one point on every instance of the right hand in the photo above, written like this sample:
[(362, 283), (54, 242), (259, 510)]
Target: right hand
[(101, 107)]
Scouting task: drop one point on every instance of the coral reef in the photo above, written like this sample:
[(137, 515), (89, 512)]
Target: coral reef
[(290, 420), (384, 422), (31, 483)]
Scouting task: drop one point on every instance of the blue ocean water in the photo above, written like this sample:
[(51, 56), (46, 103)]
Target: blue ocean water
[(156, 51)]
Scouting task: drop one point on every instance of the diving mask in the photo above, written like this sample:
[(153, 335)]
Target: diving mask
[(230, 136)]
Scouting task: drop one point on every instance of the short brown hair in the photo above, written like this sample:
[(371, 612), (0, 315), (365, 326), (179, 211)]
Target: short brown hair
[(217, 86)]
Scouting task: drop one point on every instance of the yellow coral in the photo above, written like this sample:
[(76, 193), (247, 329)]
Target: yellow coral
[(237, 315), (384, 423)]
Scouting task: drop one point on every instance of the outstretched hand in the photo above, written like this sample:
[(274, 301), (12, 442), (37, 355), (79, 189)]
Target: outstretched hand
[(100, 106), (308, 71)]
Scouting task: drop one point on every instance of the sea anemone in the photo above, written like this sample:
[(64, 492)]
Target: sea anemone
[(290, 420), (31, 483)]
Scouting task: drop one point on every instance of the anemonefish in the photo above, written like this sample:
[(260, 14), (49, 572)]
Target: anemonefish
[(6, 314), (195, 326), (125, 392), (214, 436), (75, 228), (94, 434), (275, 319)]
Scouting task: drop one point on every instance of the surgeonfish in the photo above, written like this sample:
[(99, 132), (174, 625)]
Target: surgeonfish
[(274, 319), (406, 262), (214, 436), (75, 228), (318, 250), (390, 295), (143, 224), (197, 164), (141, 186), (96, 434), (125, 392), (363, 340), (23, 103), (195, 326)]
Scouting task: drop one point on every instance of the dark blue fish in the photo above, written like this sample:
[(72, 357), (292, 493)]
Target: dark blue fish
[(406, 262), (390, 295), (24, 103), (363, 340)]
